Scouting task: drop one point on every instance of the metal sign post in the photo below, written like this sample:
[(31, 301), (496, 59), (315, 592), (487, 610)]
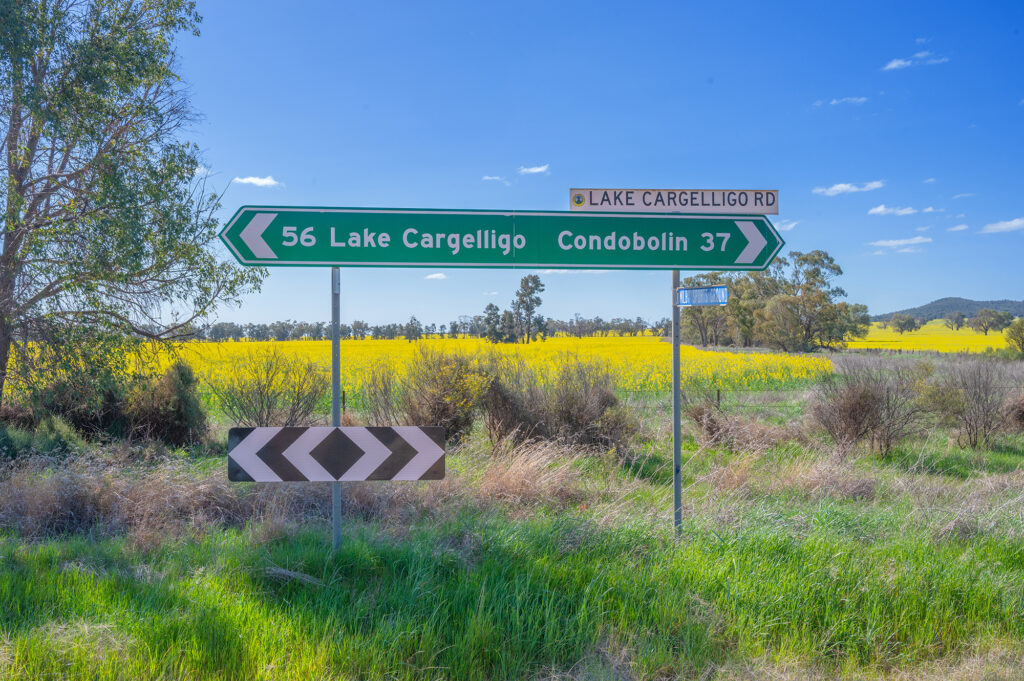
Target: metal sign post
[(677, 429), (336, 394)]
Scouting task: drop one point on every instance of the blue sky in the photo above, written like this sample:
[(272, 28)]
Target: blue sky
[(894, 133)]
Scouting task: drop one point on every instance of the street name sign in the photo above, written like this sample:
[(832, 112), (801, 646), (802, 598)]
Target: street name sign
[(397, 237), (703, 296), (693, 201), (333, 454)]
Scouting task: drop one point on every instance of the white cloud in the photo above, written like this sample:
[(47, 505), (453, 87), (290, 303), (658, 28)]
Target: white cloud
[(964, 196), (908, 250), (534, 170), (495, 178), (957, 228), (267, 181), (929, 180), (922, 229), (849, 100), (921, 57), (436, 275), (901, 243), (490, 293), (882, 209), (880, 253), (847, 188), (897, 64), (818, 102), (930, 209), (1004, 226), (201, 171), (786, 225), (921, 41), (575, 271)]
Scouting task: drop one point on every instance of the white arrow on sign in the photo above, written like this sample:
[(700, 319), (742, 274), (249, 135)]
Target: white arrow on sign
[(755, 242), (252, 235)]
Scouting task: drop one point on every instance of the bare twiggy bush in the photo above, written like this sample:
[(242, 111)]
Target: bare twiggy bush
[(576, 404), (270, 389), (380, 395), (871, 398), (969, 395)]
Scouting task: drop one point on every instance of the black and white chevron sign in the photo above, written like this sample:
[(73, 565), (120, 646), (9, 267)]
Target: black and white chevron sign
[(323, 453)]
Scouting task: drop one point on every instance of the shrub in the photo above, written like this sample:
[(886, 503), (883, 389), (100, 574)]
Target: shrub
[(167, 408), (514, 403), (577, 405), (874, 399), (380, 396), (847, 408), (1013, 410), (14, 441), (969, 396), (442, 389), (269, 389), (79, 374), (54, 435)]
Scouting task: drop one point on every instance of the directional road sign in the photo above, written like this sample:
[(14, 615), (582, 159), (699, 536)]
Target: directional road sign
[(694, 201), (397, 237), (703, 296), (326, 454)]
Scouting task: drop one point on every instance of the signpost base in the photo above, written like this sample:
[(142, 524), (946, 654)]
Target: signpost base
[(677, 483)]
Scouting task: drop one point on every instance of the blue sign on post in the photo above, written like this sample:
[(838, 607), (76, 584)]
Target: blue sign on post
[(707, 295)]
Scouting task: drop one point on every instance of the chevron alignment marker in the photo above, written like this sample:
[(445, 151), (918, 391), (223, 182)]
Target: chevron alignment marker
[(327, 454)]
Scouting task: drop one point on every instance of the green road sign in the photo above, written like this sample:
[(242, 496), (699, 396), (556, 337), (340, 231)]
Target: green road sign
[(398, 237)]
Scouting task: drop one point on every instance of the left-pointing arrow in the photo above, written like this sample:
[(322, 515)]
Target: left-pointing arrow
[(252, 235)]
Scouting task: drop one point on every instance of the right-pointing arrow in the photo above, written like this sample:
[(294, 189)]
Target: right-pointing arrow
[(755, 242), (252, 235)]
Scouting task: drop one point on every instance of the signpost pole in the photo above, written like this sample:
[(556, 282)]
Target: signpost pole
[(677, 483), (336, 393)]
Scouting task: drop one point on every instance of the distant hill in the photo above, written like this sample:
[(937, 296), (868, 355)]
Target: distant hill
[(943, 307)]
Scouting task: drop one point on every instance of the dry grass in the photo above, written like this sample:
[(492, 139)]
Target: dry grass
[(995, 664), (42, 496), (832, 477)]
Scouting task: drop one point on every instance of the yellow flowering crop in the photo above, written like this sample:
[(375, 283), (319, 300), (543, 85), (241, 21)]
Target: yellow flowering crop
[(933, 336), (641, 363)]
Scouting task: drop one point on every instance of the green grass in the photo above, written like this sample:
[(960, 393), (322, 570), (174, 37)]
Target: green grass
[(768, 571), (485, 598)]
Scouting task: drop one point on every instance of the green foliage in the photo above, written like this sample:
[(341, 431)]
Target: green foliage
[(82, 376), (54, 435), (990, 320), (14, 441), (106, 221), (903, 323), (1015, 335), (168, 407)]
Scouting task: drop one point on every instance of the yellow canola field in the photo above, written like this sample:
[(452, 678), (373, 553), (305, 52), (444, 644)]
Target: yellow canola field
[(934, 336), (641, 363)]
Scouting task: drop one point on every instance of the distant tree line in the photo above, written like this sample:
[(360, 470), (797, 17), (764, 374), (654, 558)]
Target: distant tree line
[(794, 306), (984, 321)]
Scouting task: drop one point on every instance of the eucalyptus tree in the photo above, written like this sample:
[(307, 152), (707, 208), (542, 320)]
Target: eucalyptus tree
[(107, 221)]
